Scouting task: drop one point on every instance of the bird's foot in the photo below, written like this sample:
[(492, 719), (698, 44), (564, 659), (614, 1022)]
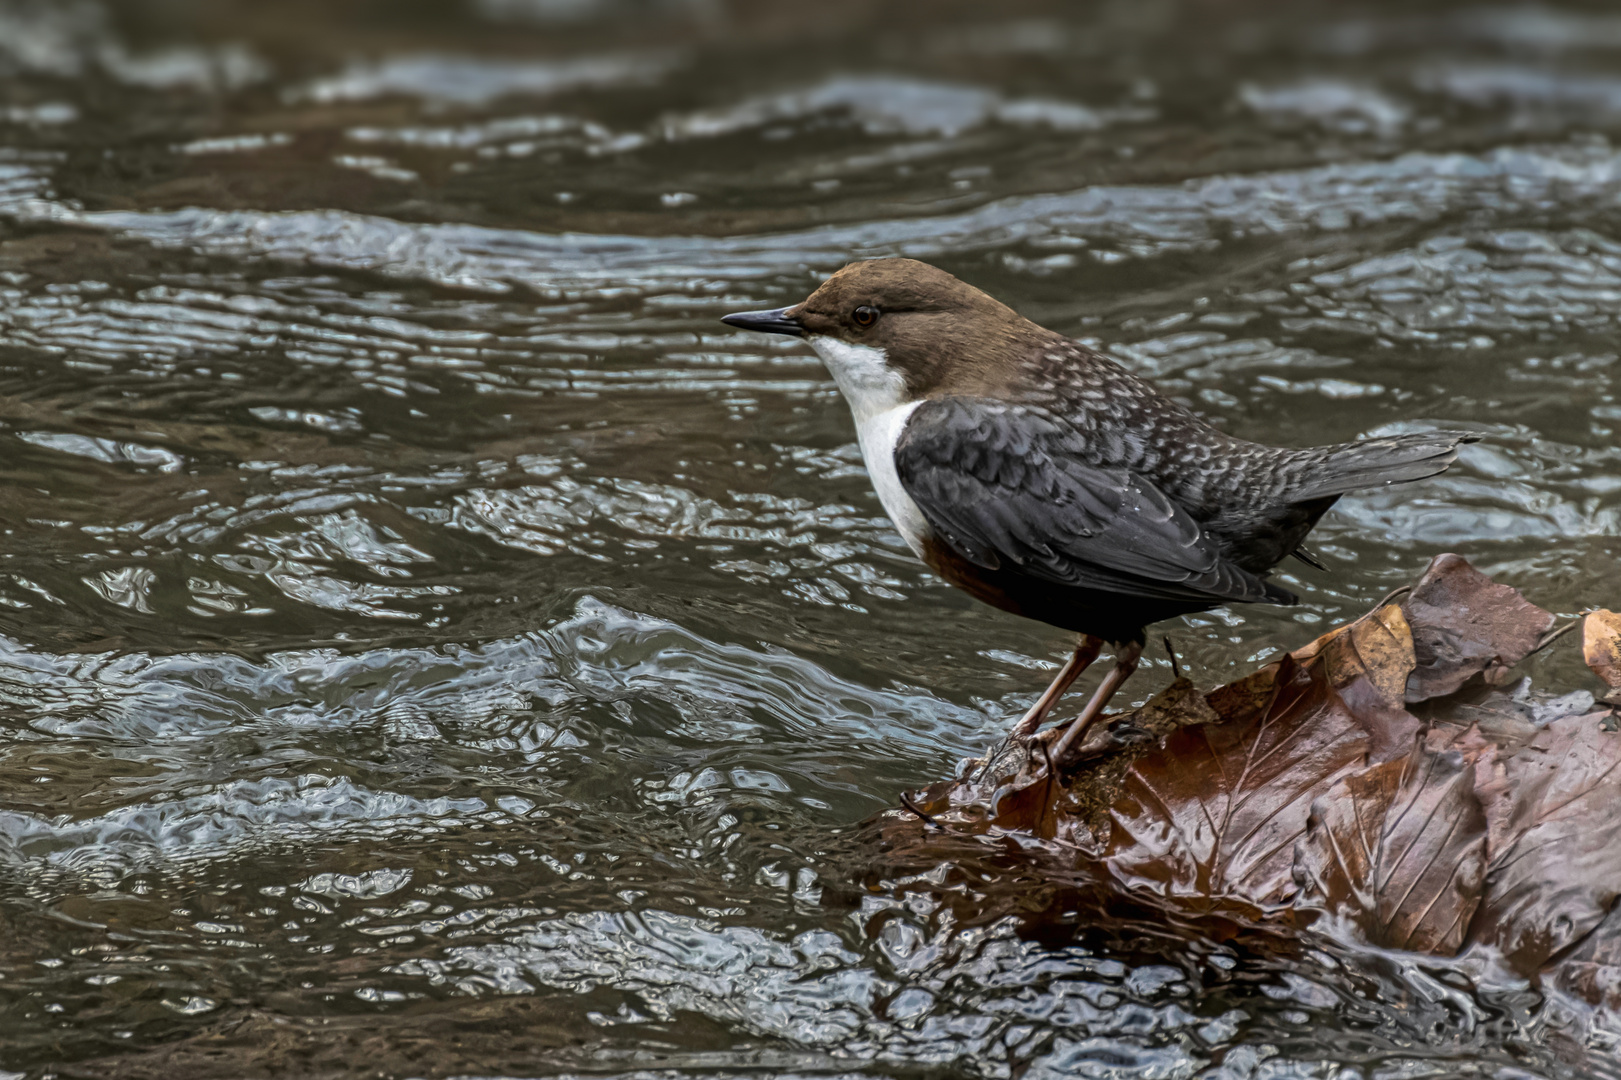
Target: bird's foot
[(1125, 662)]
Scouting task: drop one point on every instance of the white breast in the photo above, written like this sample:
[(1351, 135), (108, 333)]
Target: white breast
[(877, 397)]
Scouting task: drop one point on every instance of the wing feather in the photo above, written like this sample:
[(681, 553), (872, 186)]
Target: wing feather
[(1012, 486)]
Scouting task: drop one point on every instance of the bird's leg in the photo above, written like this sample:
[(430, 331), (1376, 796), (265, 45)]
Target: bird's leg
[(1125, 662), (1085, 652)]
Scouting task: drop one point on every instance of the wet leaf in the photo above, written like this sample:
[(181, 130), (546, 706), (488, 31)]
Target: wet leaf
[(1215, 810), (1399, 850), (1601, 646), (1376, 649), (1308, 785), (1369, 662), (1592, 970), (1464, 624), (1554, 867)]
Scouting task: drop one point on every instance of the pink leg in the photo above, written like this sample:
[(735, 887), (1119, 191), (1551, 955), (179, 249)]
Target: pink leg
[(1125, 662), (1085, 652)]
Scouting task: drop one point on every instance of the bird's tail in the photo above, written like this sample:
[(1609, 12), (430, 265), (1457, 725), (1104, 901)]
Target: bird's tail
[(1391, 459)]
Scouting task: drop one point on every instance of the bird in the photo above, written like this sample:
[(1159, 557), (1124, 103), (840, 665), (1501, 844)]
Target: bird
[(1044, 478)]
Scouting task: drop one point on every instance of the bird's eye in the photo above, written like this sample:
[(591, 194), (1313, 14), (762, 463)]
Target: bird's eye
[(864, 316)]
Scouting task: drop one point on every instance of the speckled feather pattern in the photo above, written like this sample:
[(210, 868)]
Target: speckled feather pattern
[(1256, 501)]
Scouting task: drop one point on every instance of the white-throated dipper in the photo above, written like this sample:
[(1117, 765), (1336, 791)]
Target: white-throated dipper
[(1044, 478)]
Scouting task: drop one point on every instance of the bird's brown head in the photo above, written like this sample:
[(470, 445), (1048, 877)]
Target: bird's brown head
[(922, 325)]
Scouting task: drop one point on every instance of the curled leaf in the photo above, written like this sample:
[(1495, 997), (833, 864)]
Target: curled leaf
[(1601, 646), (1369, 663), (1464, 624), (1375, 650)]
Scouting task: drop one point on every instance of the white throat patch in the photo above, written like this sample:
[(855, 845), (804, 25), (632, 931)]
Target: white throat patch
[(877, 397), (865, 378)]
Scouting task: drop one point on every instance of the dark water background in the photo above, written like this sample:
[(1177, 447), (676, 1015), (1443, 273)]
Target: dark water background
[(431, 644)]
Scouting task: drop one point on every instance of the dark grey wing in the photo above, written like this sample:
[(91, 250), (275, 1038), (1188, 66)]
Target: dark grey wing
[(1009, 486)]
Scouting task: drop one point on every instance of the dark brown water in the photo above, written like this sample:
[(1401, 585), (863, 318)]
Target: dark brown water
[(431, 644)]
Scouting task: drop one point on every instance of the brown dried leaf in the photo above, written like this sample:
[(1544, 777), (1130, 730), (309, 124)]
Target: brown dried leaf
[(1376, 649), (1215, 811), (1305, 782), (1601, 646), (1554, 869), (1400, 850), (1369, 662), (1464, 624)]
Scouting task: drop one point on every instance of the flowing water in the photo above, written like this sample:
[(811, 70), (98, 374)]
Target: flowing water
[(430, 643)]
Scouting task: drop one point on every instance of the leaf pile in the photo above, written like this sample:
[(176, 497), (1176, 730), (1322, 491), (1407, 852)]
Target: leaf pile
[(1381, 777)]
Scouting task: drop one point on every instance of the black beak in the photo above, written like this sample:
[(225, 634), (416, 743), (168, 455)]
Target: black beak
[(775, 321)]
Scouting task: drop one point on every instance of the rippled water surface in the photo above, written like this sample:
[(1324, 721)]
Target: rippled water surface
[(431, 644)]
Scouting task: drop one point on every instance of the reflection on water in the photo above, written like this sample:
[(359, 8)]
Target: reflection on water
[(431, 643)]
